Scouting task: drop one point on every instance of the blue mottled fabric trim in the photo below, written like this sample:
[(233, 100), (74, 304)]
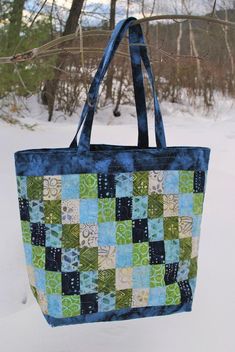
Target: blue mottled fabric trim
[(109, 159), (121, 314)]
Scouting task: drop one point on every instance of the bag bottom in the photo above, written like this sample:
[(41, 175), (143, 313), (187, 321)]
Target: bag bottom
[(121, 314)]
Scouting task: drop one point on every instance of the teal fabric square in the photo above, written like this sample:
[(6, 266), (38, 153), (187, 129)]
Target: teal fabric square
[(183, 270), (107, 234), (40, 279), (36, 211), (141, 277), (124, 185), (70, 187), (196, 225), (139, 207), (172, 251), (70, 259), (106, 301), (53, 235), (155, 229), (124, 255), (88, 211), (171, 182), (88, 282), (186, 204), (55, 305), (157, 296), (28, 253), (22, 186)]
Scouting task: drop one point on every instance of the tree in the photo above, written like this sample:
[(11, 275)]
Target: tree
[(50, 88)]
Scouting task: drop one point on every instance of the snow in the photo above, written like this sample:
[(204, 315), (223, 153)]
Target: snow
[(210, 326)]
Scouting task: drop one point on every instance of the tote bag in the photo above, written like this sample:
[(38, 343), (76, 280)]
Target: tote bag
[(112, 232)]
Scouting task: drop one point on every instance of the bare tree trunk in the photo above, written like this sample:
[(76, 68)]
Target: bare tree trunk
[(229, 49), (15, 22), (50, 88), (178, 48), (109, 79), (194, 52)]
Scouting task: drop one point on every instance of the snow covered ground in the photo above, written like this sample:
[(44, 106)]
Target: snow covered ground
[(210, 326)]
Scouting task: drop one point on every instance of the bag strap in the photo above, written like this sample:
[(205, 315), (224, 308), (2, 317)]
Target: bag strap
[(137, 52), (141, 110)]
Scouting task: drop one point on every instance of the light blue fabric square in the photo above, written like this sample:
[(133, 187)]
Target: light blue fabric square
[(171, 182), (107, 234), (54, 306), (139, 207), (36, 211), (22, 186), (157, 296), (141, 277), (88, 211), (70, 187), (172, 251), (155, 229), (124, 185), (186, 204), (106, 301), (70, 259), (88, 282), (196, 225), (183, 270), (28, 253), (192, 283), (40, 279), (124, 255), (53, 235)]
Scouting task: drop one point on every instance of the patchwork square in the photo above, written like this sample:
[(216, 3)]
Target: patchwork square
[(89, 303), (157, 275), (36, 211), (157, 252), (141, 277), (198, 203), (173, 294), (28, 251), (106, 257), (140, 297), (124, 185), (38, 234), (88, 235), (155, 229), (186, 181), (196, 225), (106, 280), (70, 187), (22, 186), (123, 298), (171, 271), (40, 279), (35, 187), (199, 181), (185, 226), (70, 236), (171, 182), (123, 208), (183, 270), (156, 181), (89, 259), (38, 257), (26, 233), (186, 204), (106, 186), (171, 228), (88, 211), (70, 211), (52, 211), (71, 283), (139, 207), (53, 282), (88, 282), (70, 260), (53, 259), (51, 187), (185, 291), (106, 301), (157, 296), (185, 248), (124, 278), (193, 268), (107, 210), (88, 186), (124, 232), (55, 305), (107, 234), (140, 183), (172, 251), (24, 209), (71, 305), (155, 206), (53, 235), (124, 255), (140, 230), (170, 205), (140, 254)]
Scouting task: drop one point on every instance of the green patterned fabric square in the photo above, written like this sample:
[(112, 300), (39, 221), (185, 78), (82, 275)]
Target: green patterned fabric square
[(106, 280), (89, 259), (25, 227), (52, 210), (155, 206), (171, 228), (35, 187), (70, 235), (173, 295), (140, 183), (124, 232), (186, 181), (123, 299), (88, 186), (140, 254), (185, 248), (198, 203), (53, 282), (157, 275), (71, 305), (193, 268), (106, 210), (38, 253)]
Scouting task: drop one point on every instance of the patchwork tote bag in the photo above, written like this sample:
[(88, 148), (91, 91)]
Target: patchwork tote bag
[(112, 232)]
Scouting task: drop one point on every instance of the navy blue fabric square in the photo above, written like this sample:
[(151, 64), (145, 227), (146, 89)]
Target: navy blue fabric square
[(53, 259), (38, 234), (199, 182), (157, 252), (123, 208), (185, 291), (89, 303), (106, 186), (71, 283), (171, 271), (24, 209), (140, 230)]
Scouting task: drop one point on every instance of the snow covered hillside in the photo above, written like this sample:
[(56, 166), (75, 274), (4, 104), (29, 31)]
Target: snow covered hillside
[(210, 326)]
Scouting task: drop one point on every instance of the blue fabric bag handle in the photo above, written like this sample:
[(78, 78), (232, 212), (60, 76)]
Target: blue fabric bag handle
[(137, 52)]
